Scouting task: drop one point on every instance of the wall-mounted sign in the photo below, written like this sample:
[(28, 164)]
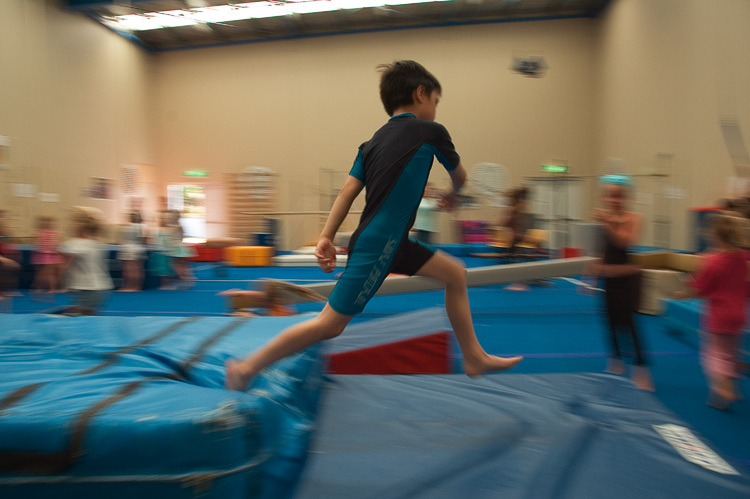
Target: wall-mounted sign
[(555, 168), (194, 173)]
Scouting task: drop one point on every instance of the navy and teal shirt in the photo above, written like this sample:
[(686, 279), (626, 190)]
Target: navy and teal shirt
[(394, 166)]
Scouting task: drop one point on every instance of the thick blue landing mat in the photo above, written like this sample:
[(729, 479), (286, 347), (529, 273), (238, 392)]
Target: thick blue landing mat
[(508, 435), (135, 406)]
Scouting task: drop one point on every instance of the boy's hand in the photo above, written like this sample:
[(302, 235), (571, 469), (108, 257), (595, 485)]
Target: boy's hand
[(448, 200), (325, 252)]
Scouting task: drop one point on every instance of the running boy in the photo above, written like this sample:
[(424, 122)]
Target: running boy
[(394, 166)]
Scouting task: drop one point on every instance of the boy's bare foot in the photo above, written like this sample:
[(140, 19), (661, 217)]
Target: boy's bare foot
[(235, 379), (615, 366), (489, 364)]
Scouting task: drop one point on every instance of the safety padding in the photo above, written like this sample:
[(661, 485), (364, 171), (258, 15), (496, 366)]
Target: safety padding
[(249, 256), (123, 407), (428, 354), (418, 342)]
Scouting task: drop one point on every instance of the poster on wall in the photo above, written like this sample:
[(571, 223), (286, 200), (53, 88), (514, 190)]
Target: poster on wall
[(98, 188), (4, 152)]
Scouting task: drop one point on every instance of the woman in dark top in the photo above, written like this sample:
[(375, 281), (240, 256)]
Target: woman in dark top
[(518, 220), (622, 281)]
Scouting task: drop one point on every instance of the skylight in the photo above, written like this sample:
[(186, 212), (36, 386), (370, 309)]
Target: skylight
[(241, 11)]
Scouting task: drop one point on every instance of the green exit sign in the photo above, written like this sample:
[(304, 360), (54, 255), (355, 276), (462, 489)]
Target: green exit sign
[(555, 168), (192, 173)]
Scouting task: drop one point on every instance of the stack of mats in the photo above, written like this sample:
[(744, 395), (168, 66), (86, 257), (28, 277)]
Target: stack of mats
[(682, 318), (474, 231), (135, 406)]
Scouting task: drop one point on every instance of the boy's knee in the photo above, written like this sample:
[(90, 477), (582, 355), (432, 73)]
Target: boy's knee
[(329, 331), (457, 272), (330, 324)]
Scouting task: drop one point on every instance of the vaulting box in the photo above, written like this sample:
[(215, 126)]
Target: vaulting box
[(249, 256)]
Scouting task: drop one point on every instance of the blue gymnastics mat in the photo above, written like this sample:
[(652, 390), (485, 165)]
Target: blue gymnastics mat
[(507, 435), (135, 406)]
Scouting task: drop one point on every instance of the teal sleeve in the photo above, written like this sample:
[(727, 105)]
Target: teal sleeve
[(358, 169)]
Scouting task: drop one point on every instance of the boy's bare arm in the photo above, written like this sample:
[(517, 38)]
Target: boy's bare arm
[(326, 251), (448, 199)]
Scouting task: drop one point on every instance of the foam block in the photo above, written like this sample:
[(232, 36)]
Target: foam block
[(418, 342), (249, 256)]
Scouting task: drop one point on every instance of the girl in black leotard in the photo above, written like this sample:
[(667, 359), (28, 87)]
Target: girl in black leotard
[(621, 279)]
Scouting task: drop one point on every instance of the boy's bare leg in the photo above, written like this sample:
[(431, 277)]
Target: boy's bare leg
[(328, 324), (452, 272)]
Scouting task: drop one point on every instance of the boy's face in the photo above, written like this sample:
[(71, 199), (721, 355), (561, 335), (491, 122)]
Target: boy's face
[(427, 105)]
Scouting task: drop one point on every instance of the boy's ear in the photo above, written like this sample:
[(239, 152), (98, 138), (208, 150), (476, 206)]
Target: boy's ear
[(419, 94)]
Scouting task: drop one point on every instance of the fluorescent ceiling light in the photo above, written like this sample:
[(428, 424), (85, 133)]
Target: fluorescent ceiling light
[(240, 12)]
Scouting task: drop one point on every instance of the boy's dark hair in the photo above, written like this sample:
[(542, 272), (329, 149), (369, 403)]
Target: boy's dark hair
[(399, 81)]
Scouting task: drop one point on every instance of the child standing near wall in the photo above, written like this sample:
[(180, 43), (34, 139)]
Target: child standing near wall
[(132, 253), (722, 281), (179, 252), (9, 254), (160, 262), (47, 257), (393, 166), (86, 268)]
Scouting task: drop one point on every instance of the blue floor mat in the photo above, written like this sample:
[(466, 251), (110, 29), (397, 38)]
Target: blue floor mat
[(508, 435), (557, 329)]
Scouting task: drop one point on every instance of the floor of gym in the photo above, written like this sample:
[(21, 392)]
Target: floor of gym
[(557, 330)]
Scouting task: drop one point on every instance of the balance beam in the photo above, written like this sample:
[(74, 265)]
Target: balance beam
[(479, 276)]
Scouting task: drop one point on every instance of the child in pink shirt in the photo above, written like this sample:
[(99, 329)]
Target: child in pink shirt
[(722, 281), (46, 257)]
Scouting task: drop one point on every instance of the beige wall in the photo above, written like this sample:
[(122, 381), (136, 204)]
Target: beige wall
[(298, 107), (75, 102), (669, 71), (650, 79)]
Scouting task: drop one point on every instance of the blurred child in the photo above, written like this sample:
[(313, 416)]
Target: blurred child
[(520, 221), (425, 223), (160, 262), (9, 253), (46, 257), (274, 299), (178, 251), (86, 269), (622, 280), (131, 254), (722, 281)]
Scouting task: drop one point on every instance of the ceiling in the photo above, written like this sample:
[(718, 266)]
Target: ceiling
[(442, 13)]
